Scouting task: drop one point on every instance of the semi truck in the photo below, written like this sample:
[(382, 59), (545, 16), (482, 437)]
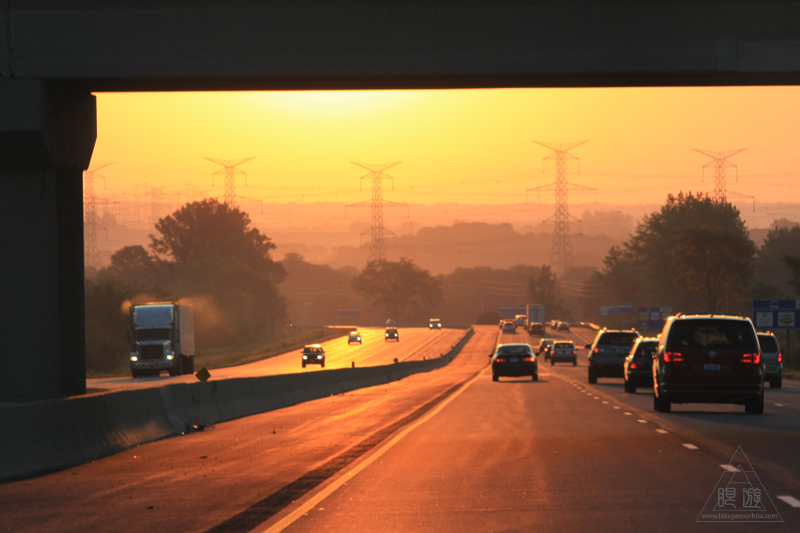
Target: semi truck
[(162, 338)]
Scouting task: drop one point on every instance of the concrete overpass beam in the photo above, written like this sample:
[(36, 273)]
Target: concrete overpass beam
[(47, 134)]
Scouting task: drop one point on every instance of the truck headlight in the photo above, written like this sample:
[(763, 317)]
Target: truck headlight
[(170, 357), (134, 358)]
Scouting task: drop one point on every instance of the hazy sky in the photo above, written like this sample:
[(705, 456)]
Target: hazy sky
[(466, 146)]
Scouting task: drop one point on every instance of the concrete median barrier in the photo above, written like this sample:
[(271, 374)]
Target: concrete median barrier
[(46, 436)]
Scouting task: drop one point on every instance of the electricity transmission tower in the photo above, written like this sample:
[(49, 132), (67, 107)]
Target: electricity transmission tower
[(719, 160), (230, 171), (561, 256), (90, 256), (377, 231)]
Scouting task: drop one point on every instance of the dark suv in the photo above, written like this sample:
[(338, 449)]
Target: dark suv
[(608, 351), (709, 359)]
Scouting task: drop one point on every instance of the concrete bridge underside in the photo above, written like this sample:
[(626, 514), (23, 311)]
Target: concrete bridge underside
[(55, 53)]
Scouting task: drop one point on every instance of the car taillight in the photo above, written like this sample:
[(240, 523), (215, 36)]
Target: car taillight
[(500, 360), (597, 350), (751, 358), (780, 357), (574, 352), (530, 359), (633, 365), (673, 357)]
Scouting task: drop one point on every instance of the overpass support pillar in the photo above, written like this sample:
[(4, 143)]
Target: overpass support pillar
[(47, 134)]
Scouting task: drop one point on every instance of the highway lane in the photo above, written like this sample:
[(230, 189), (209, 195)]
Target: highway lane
[(414, 344), (514, 455)]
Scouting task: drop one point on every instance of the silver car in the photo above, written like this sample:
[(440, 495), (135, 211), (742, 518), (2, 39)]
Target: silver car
[(773, 359)]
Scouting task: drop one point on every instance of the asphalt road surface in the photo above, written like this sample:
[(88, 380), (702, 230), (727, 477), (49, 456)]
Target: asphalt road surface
[(447, 450)]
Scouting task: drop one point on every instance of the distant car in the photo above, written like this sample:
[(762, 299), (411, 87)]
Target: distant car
[(638, 366), (708, 359), (608, 352), (313, 354), (562, 326), (536, 328), (563, 351), (514, 360), (392, 335), (509, 326), (773, 359), (354, 336), (434, 323), (544, 348), (520, 320)]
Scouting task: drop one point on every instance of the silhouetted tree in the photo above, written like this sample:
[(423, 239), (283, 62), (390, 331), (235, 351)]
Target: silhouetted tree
[(771, 272), (543, 290), (404, 289), (655, 267)]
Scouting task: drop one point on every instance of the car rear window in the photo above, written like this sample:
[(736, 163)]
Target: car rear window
[(564, 345), (514, 350), (712, 333), (646, 349), (620, 338), (768, 343)]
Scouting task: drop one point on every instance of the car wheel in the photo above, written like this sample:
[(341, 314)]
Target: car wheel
[(535, 377), (756, 406), (495, 377), (304, 364), (322, 364), (552, 363), (592, 376), (574, 362), (629, 387)]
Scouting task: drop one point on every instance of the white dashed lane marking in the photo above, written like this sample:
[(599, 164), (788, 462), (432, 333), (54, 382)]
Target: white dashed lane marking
[(794, 502), (662, 431), (690, 446), (642, 421), (729, 468)]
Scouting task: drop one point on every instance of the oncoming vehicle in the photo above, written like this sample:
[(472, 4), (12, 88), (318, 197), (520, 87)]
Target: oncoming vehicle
[(638, 371), (354, 336), (563, 351), (773, 359), (708, 359), (434, 323), (313, 354), (608, 352), (514, 360), (391, 335)]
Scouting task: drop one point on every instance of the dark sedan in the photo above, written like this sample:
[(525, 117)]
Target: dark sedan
[(514, 360), (638, 369)]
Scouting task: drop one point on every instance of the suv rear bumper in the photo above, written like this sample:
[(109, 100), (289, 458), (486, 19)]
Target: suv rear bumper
[(607, 370), (710, 393)]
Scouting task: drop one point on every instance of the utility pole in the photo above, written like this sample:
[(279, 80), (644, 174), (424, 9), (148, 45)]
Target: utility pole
[(377, 231), (561, 256), (719, 160), (230, 171), (90, 254)]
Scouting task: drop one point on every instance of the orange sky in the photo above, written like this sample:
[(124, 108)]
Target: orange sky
[(466, 146)]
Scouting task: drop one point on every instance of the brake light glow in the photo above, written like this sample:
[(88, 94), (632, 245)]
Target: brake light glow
[(634, 366), (752, 358), (529, 358), (500, 360), (597, 350), (780, 357), (673, 357)]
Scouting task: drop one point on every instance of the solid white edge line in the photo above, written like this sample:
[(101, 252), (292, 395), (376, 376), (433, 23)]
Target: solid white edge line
[(794, 502), (346, 476)]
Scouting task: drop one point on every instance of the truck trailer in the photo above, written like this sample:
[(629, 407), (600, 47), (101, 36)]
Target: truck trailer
[(162, 338)]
